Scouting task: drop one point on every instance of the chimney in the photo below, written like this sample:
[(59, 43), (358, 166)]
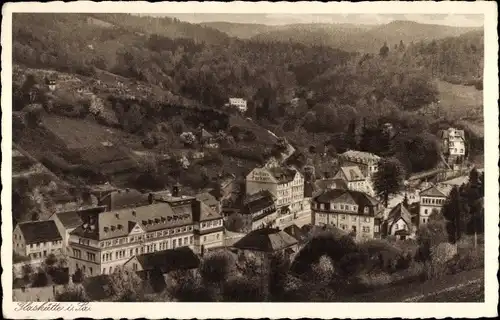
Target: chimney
[(176, 190), (117, 216)]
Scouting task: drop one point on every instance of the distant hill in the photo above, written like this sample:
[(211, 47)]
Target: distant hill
[(239, 30), (360, 38)]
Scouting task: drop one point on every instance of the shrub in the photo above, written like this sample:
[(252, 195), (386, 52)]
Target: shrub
[(216, 267), (40, 279), (73, 293), (244, 290), (466, 260)]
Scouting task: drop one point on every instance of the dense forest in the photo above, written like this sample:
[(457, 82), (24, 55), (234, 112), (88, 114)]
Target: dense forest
[(334, 87)]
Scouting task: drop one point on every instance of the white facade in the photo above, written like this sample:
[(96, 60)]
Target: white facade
[(454, 142), (427, 205), (239, 103)]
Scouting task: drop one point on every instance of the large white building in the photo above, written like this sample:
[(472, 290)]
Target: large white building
[(106, 240), (432, 199), (353, 177), (453, 143), (239, 103), (286, 184), (367, 162)]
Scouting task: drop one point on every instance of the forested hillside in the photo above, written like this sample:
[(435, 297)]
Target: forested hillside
[(201, 66)]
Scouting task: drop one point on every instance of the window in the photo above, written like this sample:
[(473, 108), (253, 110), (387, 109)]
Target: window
[(90, 269), (131, 252), (366, 229), (354, 218), (204, 238), (134, 266), (425, 211), (174, 243), (396, 226), (185, 240), (342, 216), (191, 239)]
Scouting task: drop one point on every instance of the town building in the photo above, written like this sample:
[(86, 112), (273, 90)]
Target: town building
[(210, 200), (353, 177), (367, 162), (108, 239), (67, 221), (37, 239), (286, 184), (239, 103), (453, 144), (399, 223), (165, 262), (351, 211), (260, 209), (432, 200), (119, 199), (268, 241)]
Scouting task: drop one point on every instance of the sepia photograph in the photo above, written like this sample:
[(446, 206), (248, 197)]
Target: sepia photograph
[(234, 157)]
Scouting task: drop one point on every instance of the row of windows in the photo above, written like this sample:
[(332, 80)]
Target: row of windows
[(42, 244), (432, 201), (342, 206), (159, 246), (147, 236), (44, 253), (214, 223), (344, 217)]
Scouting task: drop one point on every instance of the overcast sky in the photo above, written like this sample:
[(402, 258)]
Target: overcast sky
[(458, 20)]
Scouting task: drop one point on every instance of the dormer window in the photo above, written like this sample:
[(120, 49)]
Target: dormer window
[(157, 220), (120, 227), (150, 221), (163, 219), (144, 222), (112, 228)]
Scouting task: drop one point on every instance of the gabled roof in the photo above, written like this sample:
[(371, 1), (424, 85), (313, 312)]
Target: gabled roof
[(258, 201), (169, 260), (436, 191), (350, 173), (347, 196), (282, 174), (399, 211), (205, 134), (71, 219), (360, 154), (39, 231), (153, 217), (266, 240), (295, 232), (207, 198), (124, 199)]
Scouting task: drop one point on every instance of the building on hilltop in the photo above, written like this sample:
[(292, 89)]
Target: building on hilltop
[(352, 211), (286, 184), (367, 162), (399, 223), (453, 144), (37, 239), (432, 200), (239, 103)]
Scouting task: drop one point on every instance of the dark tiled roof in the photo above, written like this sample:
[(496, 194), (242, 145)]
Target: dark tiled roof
[(153, 217), (351, 173), (207, 198), (436, 191), (169, 260), (124, 199), (400, 211), (71, 219), (258, 201), (347, 196), (295, 232), (40, 231), (283, 175), (266, 240)]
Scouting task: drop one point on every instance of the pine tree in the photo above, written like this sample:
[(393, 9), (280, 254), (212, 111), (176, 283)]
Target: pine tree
[(389, 179), (405, 202), (454, 211), (351, 135), (384, 51)]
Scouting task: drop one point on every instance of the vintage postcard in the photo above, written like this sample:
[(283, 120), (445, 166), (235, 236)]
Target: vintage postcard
[(222, 160)]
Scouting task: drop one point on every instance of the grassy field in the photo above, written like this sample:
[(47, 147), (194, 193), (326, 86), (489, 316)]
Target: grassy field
[(463, 104)]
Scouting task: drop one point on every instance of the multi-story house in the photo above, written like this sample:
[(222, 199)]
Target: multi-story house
[(37, 239), (106, 240), (432, 200), (453, 143), (286, 184), (260, 208), (353, 177), (399, 223), (367, 162), (239, 103), (67, 221), (352, 211)]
